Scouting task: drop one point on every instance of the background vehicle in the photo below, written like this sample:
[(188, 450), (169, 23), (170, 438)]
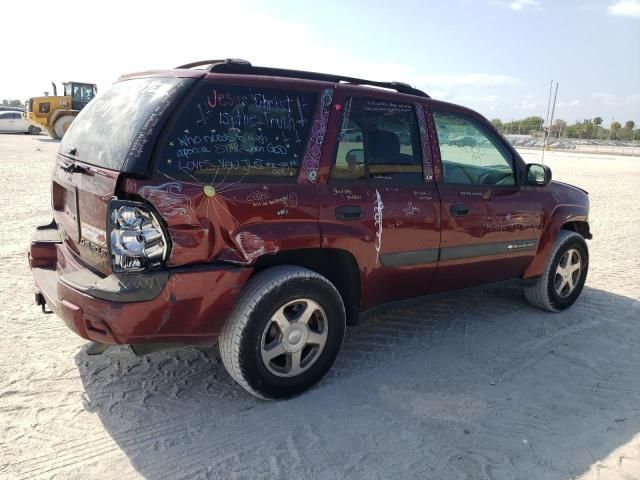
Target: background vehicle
[(55, 113), (269, 208), (14, 123), (4, 108)]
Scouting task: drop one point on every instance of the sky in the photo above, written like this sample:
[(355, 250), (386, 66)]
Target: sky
[(495, 56)]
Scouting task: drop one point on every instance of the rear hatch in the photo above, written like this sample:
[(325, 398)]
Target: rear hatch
[(111, 137)]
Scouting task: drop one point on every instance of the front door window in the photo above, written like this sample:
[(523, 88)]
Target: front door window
[(471, 155)]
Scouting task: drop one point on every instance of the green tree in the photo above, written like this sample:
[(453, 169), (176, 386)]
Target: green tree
[(615, 126), (12, 103), (626, 133), (530, 124), (588, 129), (497, 123), (558, 128), (597, 121)]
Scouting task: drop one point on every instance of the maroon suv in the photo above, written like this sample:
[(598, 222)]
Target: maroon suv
[(268, 208)]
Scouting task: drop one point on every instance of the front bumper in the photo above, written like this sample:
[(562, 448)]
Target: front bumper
[(186, 305)]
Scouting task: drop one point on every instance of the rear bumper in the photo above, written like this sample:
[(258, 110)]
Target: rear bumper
[(187, 305)]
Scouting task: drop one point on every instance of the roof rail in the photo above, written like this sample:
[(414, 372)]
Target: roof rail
[(213, 63), (243, 67)]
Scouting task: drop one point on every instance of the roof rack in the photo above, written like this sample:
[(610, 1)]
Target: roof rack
[(213, 63), (239, 66)]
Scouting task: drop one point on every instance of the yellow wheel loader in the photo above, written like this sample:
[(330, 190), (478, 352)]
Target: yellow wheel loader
[(55, 113)]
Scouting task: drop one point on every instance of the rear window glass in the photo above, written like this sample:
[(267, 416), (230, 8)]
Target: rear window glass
[(116, 122), (227, 132)]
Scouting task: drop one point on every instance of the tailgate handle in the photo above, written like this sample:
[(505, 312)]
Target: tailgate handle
[(73, 167), (349, 212)]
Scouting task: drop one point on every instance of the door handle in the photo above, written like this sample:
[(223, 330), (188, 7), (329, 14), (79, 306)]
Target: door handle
[(459, 210), (349, 212)]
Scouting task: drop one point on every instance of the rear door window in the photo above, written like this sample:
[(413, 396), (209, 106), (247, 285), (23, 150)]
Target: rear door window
[(238, 132), (378, 141)]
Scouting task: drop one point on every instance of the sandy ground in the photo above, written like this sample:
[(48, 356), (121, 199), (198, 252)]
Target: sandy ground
[(478, 387)]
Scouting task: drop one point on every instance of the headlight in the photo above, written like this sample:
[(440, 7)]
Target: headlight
[(137, 241)]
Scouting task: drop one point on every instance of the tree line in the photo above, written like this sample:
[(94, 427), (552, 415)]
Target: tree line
[(589, 128), (12, 103)]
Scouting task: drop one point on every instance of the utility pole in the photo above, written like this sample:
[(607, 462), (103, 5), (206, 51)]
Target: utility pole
[(545, 145), (546, 120)]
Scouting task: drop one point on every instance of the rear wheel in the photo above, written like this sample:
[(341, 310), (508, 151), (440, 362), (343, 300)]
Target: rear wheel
[(563, 279), (284, 333), (62, 125), (33, 130)]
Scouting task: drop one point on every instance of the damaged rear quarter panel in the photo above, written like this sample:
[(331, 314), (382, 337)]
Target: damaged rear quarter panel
[(231, 222)]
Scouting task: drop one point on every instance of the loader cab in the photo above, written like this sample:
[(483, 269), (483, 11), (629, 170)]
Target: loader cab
[(80, 93)]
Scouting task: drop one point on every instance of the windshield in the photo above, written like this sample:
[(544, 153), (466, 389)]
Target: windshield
[(105, 130)]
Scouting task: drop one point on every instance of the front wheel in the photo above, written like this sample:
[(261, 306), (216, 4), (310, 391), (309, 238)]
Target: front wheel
[(563, 278), (284, 333), (62, 125), (33, 130)]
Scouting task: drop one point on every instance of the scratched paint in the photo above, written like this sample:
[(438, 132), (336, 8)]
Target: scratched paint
[(169, 201), (311, 160), (410, 210), (252, 246), (427, 157), (377, 219)]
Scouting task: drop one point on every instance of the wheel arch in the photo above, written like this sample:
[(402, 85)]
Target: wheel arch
[(337, 265), (564, 217), (579, 226)]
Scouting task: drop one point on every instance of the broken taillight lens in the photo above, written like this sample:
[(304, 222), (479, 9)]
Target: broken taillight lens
[(137, 241)]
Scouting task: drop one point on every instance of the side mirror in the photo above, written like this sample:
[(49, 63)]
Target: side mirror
[(537, 174)]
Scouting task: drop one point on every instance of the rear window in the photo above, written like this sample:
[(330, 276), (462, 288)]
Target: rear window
[(117, 123), (233, 132)]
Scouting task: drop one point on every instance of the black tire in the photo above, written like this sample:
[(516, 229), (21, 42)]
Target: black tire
[(62, 124), (543, 293), (242, 336), (33, 130)]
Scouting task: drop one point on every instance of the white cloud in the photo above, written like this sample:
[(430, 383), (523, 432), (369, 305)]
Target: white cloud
[(603, 97), (572, 103), (625, 8), (634, 97), (518, 5)]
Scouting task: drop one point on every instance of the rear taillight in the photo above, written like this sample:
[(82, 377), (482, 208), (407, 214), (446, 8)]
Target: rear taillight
[(137, 241)]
